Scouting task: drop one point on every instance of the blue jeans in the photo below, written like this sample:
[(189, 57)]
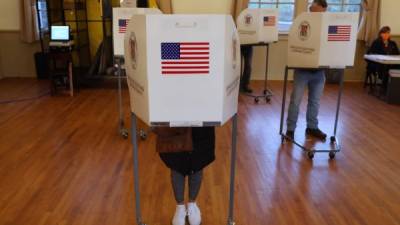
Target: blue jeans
[(315, 81)]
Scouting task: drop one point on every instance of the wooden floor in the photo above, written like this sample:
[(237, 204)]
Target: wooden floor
[(62, 162)]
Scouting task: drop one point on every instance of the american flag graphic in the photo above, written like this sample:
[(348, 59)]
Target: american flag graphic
[(339, 33), (269, 20), (185, 58), (122, 25)]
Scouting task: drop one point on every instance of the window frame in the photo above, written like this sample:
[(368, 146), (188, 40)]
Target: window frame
[(342, 5)]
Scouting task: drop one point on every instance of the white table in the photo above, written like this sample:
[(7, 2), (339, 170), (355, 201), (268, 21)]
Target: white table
[(384, 59)]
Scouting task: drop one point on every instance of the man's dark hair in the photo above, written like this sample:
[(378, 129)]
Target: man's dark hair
[(322, 3)]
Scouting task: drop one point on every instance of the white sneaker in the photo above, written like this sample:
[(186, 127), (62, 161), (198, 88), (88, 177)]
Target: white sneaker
[(194, 214), (180, 215)]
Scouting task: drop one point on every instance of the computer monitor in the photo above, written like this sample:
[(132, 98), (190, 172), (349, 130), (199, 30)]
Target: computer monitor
[(59, 33)]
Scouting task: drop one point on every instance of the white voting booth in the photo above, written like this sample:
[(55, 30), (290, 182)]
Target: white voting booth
[(121, 18), (323, 40), (258, 26), (183, 70)]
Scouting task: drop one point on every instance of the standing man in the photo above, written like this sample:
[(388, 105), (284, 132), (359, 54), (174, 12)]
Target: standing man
[(247, 54), (314, 79)]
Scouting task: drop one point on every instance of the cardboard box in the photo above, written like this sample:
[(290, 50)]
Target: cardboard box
[(393, 91)]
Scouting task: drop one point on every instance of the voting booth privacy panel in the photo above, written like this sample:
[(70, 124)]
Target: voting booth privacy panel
[(121, 18), (183, 70), (323, 40), (258, 26)]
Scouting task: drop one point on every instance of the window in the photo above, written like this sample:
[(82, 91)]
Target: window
[(286, 11), (42, 9), (343, 5)]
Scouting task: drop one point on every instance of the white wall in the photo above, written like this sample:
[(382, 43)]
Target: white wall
[(389, 15), (203, 6), (11, 48), (9, 15), (276, 61)]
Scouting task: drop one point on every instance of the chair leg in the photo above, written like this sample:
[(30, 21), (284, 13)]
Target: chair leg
[(71, 80), (376, 86), (366, 80)]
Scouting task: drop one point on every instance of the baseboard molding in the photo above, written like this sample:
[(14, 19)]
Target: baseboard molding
[(257, 78), (9, 31)]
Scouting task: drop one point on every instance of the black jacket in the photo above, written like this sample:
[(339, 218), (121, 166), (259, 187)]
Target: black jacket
[(202, 155), (378, 48)]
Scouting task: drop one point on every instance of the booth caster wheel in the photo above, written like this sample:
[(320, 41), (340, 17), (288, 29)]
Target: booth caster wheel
[(332, 155), (310, 155), (268, 99), (142, 135), (333, 139), (265, 92), (256, 100), (124, 133)]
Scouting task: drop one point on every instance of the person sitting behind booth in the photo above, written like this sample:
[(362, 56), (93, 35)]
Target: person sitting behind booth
[(314, 79), (382, 46), (186, 152)]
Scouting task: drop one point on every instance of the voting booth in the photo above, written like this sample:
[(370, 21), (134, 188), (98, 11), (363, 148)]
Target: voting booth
[(258, 26), (323, 40), (121, 18), (183, 70)]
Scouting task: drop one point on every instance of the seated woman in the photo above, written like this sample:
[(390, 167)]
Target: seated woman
[(382, 46)]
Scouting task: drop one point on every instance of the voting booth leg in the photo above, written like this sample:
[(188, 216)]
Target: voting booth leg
[(335, 147), (267, 92), (233, 171), (333, 138), (136, 170), (121, 125), (283, 105)]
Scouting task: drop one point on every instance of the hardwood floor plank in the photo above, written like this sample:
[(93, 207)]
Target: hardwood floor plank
[(62, 162)]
